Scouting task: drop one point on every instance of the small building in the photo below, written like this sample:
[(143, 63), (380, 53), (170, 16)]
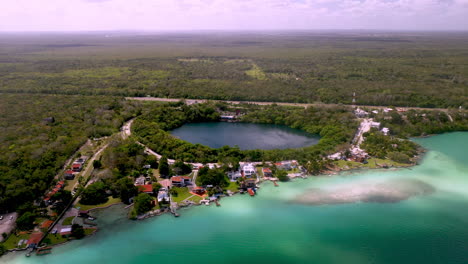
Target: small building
[(199, 190), (360, 113), (34, 239), (267, 172), (285, 165), (375, 111), (83, 213), (65, 231), (163, 195), (49, 120), (139, 181), (76, 167), (385, 131), (249, 183), (147, 188), (180, 181), (69, 175), (375, 124), (227, 117), (234, 175)]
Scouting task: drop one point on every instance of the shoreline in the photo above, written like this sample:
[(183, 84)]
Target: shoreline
[(326, 173)]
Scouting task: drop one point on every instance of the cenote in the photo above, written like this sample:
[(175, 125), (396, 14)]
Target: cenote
[(245, 135), (278, 226)]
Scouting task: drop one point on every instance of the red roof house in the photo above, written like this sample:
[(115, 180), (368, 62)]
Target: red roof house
[(147, 188), (180, 181), (34, 239)]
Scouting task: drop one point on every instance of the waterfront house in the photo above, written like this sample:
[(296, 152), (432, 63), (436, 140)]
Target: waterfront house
[(83, 213), (249, 183), (163, 195), (267, 172), (180, 181), (65, 231), (199, 190), (69, 175), (34, 239)]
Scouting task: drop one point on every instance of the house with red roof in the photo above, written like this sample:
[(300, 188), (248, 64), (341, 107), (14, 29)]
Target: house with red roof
[(69, 175), (34, 239), (76, 167), (267, 172), (181, 181), (199, 190), (146, 188)]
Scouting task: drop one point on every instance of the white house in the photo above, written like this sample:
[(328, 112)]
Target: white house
[(248, 170), (234, 175), (360, 113), (375, 124)]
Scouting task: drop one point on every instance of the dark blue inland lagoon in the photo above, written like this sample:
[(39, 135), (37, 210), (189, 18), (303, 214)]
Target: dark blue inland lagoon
[(245, 135)]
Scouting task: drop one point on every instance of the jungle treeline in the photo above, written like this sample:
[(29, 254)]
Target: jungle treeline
[(38, 133), (380, 68)]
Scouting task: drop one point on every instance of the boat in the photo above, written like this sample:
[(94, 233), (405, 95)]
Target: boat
[(251, 192), (43, 251)]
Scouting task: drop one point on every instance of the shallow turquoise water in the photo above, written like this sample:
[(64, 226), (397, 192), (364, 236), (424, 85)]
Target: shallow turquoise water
[(272, 228), (245, 135)]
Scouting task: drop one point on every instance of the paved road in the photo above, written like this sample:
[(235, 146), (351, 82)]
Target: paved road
[(6, 224), (191, 101)]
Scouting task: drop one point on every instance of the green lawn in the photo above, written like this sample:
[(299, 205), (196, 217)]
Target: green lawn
[(12, 241), (89, 231), (233, 186), (68, 220), (54, 239), (256, 72), (196, 199), (183, 193), (89, 207)]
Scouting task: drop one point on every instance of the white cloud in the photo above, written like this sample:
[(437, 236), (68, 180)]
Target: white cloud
[(232, 14)]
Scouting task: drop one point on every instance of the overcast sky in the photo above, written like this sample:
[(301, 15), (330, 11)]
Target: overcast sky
[(157, 15)]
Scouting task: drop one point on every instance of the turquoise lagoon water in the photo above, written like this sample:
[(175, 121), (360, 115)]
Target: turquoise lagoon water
[(273, 228), (245, 135)]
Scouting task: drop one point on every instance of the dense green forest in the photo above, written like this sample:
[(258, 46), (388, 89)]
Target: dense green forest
[(399, 69), (335, 125), (38, 133)]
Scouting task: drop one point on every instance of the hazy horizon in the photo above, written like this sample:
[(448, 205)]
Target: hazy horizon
[(226, 15)]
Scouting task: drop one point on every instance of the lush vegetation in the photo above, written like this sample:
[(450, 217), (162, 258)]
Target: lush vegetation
[(423, 122), (336, 125), (381, 146), (33, 147), (143, 203), (400, 69), (214, 177)]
